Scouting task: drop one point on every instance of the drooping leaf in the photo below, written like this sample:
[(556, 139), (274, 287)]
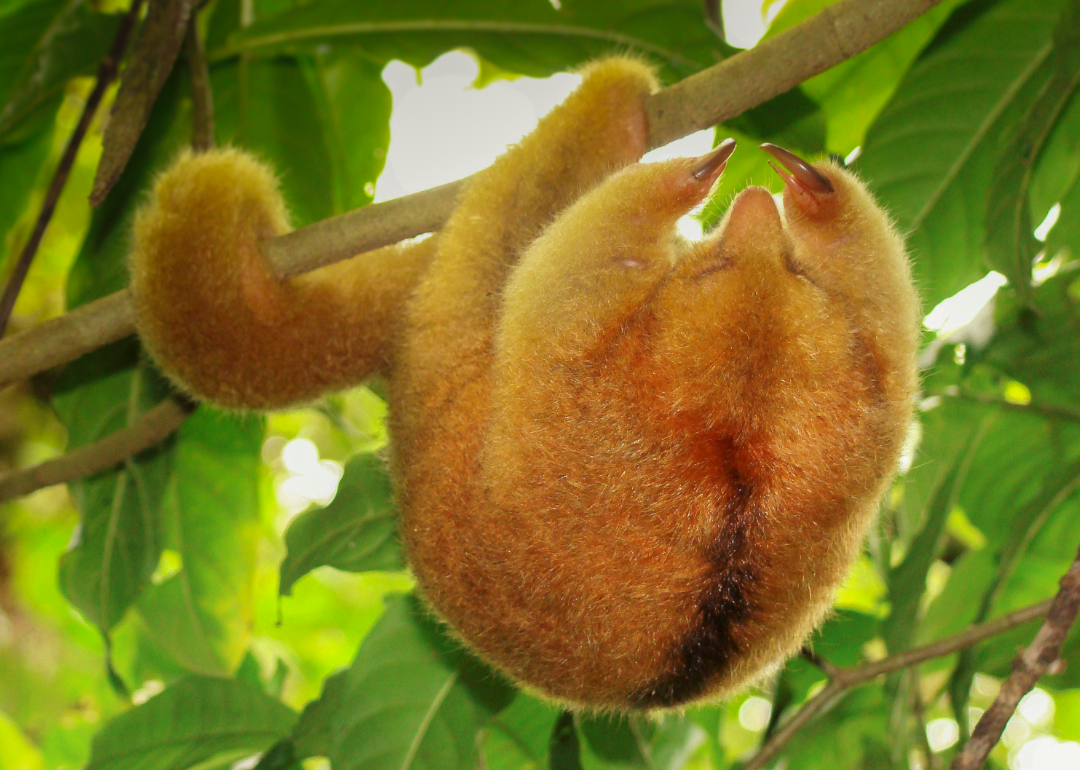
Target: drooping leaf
[(931, 153), (203, 613), (412, 699), (46, 44), (195, 720), (151, 61), (357, 532)]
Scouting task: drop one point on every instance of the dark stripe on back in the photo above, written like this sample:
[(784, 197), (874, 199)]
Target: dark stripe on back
[(710, 646)]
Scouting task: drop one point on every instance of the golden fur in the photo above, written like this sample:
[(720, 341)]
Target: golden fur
[(631, 469)]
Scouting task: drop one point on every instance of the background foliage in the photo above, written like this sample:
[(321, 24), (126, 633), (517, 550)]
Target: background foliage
[(140, 621)]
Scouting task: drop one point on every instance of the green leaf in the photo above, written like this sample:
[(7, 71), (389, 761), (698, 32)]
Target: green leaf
[(118, 542), (203, 614), (357, 532), (411, 700), (930, 155), (530, 37), (521, 736), (1010, 244), (195, 720), (46, 44)]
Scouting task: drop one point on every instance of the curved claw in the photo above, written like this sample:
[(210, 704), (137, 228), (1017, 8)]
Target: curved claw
[(802, 173), (710, 164)]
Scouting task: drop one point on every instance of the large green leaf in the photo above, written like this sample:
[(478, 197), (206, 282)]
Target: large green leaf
[(530, 36), (411, 699), (194, 720), (931, 153), (1010, 243), (118, 542), (357, 532), (203, 613), (45, 44)]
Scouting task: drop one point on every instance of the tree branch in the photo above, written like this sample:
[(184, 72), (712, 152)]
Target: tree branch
[(1027, 668), (153, 427), (846, 678), (107, 70), (719, 93)]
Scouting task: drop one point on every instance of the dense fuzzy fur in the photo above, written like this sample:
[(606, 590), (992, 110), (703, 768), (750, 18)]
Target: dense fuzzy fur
[(631, 469)]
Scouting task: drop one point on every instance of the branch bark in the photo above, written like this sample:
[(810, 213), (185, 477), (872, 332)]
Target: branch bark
[(847, 678), (719, 93), (1027, 668), (154, 427)]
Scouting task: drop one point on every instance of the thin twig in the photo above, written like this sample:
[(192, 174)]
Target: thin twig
[(721, 92), (107, 70), (202, 96), (847, 678), (153, 427), (1027, 668)]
